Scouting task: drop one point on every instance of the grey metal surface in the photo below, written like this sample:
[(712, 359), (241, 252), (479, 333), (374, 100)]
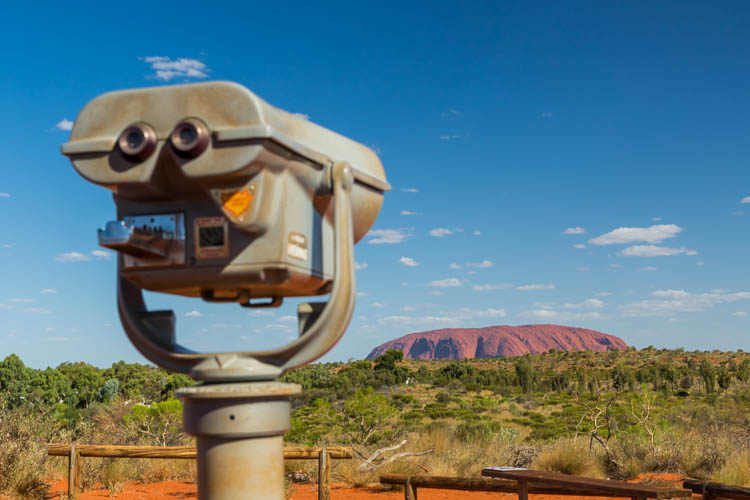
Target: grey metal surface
[(239, 436)]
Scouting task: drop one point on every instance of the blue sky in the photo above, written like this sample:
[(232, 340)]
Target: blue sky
[(578, 163)]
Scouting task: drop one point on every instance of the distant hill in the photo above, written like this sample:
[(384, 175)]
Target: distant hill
[(498, 342)]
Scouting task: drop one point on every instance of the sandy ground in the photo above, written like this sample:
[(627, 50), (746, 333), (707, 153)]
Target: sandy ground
[(173, 490)]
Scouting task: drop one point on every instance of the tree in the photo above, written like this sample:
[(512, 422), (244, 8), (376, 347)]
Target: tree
[(366, 415), (708, 374), (160, 422), (526, 375), (15, 380), (724, 378), (743, 370), (109, 390)]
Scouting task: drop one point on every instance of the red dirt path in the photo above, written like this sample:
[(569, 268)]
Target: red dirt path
[(173, 490)]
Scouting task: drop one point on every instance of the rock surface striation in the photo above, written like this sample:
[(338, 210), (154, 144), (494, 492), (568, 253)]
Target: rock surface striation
[(498, 342)]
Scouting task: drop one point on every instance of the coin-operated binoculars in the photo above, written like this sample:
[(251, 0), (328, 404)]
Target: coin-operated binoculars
[(221, 196)]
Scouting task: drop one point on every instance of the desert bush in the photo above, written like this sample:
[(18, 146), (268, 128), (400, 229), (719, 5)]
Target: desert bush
[(568, 456), (114, 474), (23, 452)]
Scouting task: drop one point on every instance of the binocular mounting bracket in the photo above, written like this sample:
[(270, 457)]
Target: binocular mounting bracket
[(321, 323)]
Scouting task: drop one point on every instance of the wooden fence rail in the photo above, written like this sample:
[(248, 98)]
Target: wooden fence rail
[(579, 486), (75, 452), (711, 490)]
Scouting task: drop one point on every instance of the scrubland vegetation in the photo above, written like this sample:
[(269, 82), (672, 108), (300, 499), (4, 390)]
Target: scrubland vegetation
[(616, 414)]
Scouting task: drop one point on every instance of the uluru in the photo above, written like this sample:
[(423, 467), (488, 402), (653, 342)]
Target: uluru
[(498, 342)]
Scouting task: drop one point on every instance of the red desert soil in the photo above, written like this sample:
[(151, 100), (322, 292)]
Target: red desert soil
[(171, 490), (499, 342)]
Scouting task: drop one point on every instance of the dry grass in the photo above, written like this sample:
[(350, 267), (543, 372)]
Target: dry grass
[(736, 469), (451, 456), (567, 456), (23, 452)]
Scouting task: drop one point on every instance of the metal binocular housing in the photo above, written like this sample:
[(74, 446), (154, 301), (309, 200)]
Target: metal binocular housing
[(221, 196)]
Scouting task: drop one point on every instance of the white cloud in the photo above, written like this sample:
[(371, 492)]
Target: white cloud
[(6, 307), (740, 314), (656, 219), (166, 69), (408, 262), (377, 305), (48, 291), (455, 266), (615, 266), (193, 314), (586, 304), (671, 302), (363, 294), (289, 318), (579, 245), (499, 286), (410, 190), (647, 269), (448, 318), (625, 235), (583, 268), (699, 263), (227, 325), (439, 232), (388, 236), (64, 124), (260, 312), (537, 286), (408, 212), (491, 313), (558, 316), (72, 257), (476, 232), (546, 114), (575, 230), (446, 283), (304, 116), (603, 294), (451, 137), (746, 199), (37, 310), (80, 257), (655, 251), (484, 264), (4, 195), (451, 113), (361, 266)]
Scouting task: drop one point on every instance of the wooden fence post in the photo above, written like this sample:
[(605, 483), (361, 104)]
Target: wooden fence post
[(410, 491), (523, 490), (324, 475), (74, 473)]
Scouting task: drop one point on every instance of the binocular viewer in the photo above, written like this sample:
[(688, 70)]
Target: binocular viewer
[(221, 196)]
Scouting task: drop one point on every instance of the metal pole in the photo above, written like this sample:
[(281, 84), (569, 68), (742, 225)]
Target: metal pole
[(239, 430)]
